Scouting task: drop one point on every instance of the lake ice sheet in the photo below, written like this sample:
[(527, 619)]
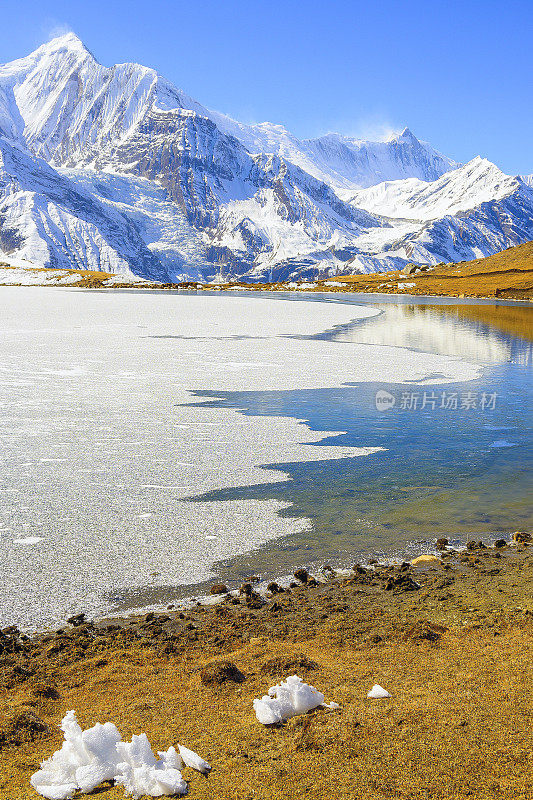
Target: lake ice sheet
[(100, 449)]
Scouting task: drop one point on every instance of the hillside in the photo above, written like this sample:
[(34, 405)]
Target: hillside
[(449, 638), (508, 274)]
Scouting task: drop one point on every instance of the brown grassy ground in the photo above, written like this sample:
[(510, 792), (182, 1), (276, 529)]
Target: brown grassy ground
[(458, 725), (508, 274)]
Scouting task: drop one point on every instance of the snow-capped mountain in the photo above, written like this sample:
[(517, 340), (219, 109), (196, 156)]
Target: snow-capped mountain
[(45, 218), (117, 169)]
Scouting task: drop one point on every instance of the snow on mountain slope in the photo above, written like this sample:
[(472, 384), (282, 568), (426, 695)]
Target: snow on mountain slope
[(462, 189), (67, 107), (485, 229), (340, 161), (115, 168), (252, 209), (160, 222), (46, 220), (349, 162)]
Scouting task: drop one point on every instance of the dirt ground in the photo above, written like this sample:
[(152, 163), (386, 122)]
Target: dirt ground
[(451, 640)]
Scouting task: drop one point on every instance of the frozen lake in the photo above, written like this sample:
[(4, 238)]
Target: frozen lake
[(103, 440)]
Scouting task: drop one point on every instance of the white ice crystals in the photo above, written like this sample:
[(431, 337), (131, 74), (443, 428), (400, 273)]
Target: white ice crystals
[(87, 758), (286, 700), (377, 692)]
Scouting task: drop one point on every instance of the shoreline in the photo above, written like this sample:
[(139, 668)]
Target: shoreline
[(507, 275), (523, 302), (450, 636)]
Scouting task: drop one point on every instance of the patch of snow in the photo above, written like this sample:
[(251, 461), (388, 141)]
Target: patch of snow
[(28, 540), (193, 760), (377, 692), (87, 758), (287, 699)]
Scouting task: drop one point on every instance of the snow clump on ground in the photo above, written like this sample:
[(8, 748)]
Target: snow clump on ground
[(286, 700), (87, 758)]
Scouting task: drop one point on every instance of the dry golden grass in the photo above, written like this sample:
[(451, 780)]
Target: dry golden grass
[(458, 725), (508, 274)]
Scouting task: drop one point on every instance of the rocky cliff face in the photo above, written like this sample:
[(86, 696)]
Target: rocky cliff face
[(116, 169)]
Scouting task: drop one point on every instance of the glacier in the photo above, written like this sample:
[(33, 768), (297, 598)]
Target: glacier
[(115, 169)]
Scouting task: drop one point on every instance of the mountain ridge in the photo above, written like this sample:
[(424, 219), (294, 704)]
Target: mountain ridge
[(199, 195)]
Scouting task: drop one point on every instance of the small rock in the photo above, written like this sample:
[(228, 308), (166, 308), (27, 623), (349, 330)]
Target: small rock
[(246, 588), (254, 600), (220, 672), (274, 588), (402, 583), (426, 559), (442, 544), (424, 631), (500, 543), (47, 690), (21, 726), (77, 619), (287, 665), (302, 575), (218, 588), (521, 537)]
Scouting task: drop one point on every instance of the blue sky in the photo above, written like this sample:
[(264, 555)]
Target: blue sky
[(459, 74)]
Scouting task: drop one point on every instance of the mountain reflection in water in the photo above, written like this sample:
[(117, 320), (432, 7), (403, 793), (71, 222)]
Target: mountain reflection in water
[(460, 473), (488, 334)]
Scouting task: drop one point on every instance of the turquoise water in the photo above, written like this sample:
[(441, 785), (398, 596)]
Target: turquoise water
[(458, 472)]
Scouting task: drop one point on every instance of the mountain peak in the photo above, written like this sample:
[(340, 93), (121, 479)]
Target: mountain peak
[(67, 42), (405, 136)]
